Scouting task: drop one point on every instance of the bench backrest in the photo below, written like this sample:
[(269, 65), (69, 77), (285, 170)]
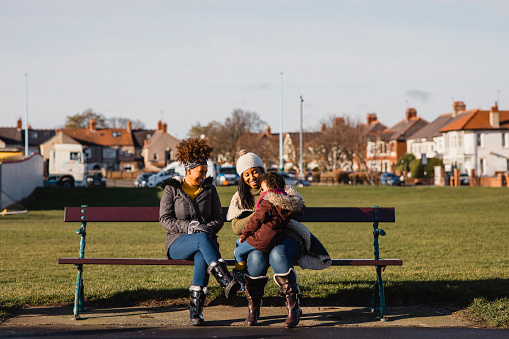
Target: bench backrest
[(311, 214)]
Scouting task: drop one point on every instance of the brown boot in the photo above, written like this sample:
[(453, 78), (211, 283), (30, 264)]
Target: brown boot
[(290, 290), (255, 287)]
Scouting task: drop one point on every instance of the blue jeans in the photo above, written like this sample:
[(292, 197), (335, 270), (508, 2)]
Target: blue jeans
[(200, 248), (281, 258), (242, 251)]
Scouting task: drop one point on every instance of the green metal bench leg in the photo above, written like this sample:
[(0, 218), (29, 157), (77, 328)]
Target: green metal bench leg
[(376, 297), (79, 295), (378, 292), (381, 292)]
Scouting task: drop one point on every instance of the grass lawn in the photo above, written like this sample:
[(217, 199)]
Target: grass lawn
[(453, 242)]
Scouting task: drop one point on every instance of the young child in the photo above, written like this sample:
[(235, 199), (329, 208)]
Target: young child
[(265, 229)]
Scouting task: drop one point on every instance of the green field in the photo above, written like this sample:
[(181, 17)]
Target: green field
[(453, 241)]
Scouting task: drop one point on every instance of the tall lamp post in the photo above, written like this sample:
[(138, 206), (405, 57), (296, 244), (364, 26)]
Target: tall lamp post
[(26, 114), (301, 162), (281, 128)]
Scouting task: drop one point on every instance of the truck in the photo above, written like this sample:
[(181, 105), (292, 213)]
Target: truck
[(66, 166)]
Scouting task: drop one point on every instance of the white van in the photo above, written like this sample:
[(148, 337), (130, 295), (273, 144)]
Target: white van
[(177, 169)]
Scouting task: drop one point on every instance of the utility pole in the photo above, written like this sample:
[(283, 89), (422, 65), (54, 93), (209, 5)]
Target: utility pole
[(301, 162), (26, 114), (281, 128)]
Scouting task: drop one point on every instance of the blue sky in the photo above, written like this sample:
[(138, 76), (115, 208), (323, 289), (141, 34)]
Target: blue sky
[(185, 62)]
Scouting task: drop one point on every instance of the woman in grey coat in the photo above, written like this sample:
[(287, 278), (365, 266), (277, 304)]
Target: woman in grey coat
[(191, 212)]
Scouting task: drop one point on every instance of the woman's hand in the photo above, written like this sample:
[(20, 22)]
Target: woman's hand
[(192, 226), (201, 228)]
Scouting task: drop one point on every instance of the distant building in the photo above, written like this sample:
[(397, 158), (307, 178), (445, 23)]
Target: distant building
[(159, 148), (429, 140), (14, 137), (387, 146), (477, 140)]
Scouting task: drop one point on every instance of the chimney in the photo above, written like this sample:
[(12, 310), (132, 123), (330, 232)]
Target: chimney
[(458, 106), (93, 125), (20, 124), (165, 127), (267, 131), (159, 126), (145, 142), (411, 113), (372, 118), (323, 129), (339, 121), (494, 117), (129, 126)]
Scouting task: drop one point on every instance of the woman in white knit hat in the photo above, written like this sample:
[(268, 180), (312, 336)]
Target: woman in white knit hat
[(298, 246)]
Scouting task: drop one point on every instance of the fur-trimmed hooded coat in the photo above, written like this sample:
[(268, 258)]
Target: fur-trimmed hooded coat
[(313, 255), (177, 209), (265, 229)]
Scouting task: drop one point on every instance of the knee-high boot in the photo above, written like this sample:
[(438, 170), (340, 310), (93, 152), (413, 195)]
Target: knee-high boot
[(220, 272), (290, 290), (198, 295), (255, 287)]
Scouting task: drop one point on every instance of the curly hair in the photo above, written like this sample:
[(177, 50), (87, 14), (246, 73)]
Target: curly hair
[(193, 149), (273, 180)]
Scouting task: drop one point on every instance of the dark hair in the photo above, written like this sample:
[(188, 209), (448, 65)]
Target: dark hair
[(273, 180), (246, 199), (193, 149)]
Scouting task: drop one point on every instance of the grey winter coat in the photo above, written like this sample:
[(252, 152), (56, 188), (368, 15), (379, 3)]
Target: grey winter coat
[(177, 209)]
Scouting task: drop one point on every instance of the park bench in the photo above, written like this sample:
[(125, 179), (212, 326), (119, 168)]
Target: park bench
[(86, 214)]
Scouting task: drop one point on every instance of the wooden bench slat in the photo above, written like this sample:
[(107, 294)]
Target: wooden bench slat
[(231, 262), (151, 214)]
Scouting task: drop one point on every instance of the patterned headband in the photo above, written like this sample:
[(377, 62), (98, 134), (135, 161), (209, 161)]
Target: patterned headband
[(195, 163)]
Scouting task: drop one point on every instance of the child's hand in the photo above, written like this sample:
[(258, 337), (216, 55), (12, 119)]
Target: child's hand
[(241, 241)]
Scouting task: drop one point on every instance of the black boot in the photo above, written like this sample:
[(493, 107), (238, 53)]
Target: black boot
[(220, 272), (198, 295), (239, 276), (290, 290), (255, 287)]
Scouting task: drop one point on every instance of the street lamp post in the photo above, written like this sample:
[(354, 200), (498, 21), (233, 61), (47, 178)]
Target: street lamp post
[(26, 114), (281, 128), (301, 162)]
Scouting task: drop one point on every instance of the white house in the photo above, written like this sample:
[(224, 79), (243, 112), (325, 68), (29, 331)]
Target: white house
[(478, 140), (429, 140)]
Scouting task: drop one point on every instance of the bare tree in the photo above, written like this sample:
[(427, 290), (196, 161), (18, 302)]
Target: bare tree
[(210, 130), (224, 137), (119, 122), (82, 120)]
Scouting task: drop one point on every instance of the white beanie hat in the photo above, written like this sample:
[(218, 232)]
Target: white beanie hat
[(247, 161)]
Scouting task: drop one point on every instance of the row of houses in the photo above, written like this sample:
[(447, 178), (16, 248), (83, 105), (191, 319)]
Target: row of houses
[(472, 140), (469, 140), (114, 149)]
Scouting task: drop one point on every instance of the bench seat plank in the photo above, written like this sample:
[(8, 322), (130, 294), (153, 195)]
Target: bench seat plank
[(151, 214), (231, 262)]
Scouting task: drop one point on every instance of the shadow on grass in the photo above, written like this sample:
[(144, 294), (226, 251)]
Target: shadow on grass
[(453, 294), (56, 198)]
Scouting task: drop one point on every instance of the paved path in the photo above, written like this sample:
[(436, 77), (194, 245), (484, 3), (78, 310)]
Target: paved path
[(227, 321)]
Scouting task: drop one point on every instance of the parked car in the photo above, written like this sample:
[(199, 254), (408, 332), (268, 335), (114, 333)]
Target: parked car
[(227, 175), (96, 179), (177, 169), (464, 179), (390, 179), (142, 179), (293, 181)]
